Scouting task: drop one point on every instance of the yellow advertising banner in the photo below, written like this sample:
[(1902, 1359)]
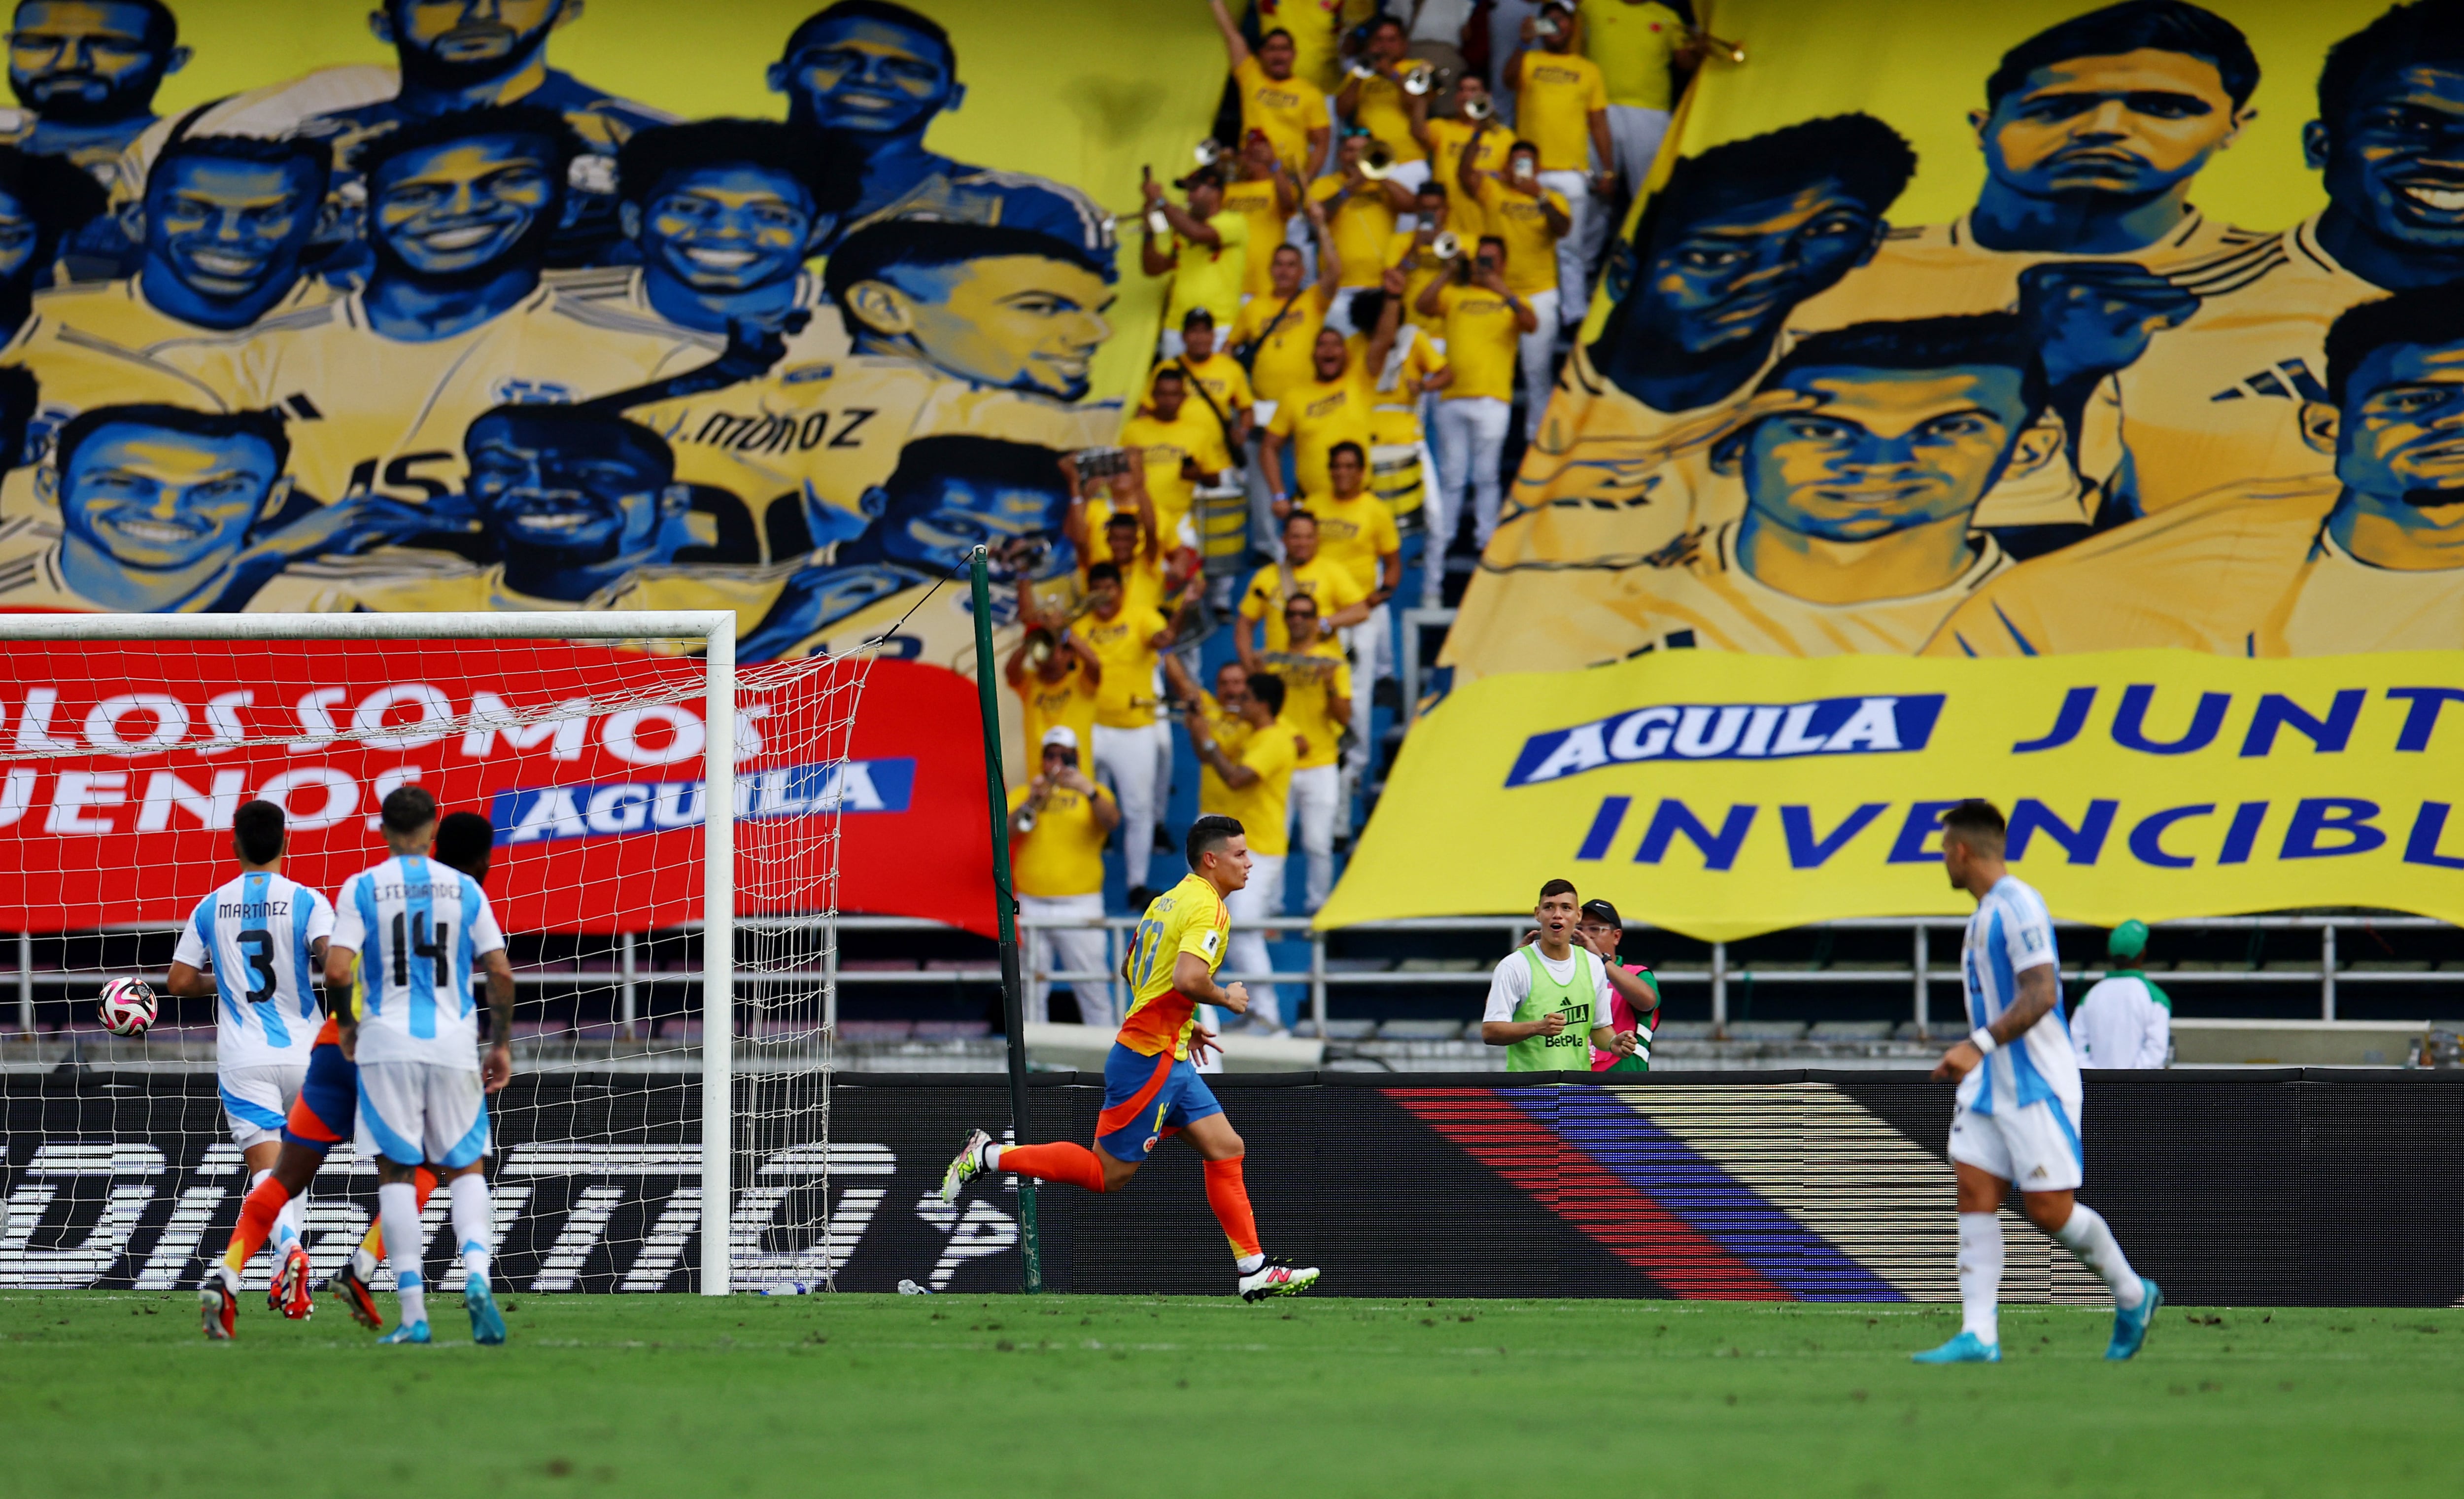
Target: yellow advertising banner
[(1727, 795)]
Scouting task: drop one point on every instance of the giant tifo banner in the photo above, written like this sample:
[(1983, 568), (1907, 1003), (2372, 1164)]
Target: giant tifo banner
[(1958, 347), (780, 307)]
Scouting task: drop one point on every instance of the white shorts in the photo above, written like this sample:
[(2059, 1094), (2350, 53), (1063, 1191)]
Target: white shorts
[(415, 1112), (2034, 1148), (258, 1099)]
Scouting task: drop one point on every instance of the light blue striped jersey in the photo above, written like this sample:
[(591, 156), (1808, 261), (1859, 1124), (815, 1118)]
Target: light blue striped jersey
[(255, 933), (420, 929), (2011, 933)]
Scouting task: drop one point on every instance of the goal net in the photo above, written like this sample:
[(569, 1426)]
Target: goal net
[(666, 885)]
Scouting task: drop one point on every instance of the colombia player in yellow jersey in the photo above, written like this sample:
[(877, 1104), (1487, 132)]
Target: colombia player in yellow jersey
[(1150, 1083)]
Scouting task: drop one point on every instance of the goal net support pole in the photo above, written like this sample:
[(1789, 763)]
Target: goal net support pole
[(716, 629), (1005, 907)]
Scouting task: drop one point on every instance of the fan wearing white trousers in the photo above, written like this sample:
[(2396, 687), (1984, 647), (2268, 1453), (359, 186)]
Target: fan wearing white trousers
[(1058, 825), (1256, 784), (1125, 639), (1484, 324), (1319, 699)]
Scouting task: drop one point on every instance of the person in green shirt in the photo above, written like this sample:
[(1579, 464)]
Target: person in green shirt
[(1548, 1000)]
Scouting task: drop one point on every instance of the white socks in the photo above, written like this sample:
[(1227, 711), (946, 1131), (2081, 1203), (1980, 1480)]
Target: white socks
[(1980, 1275), (2088, 1236), (474, 1226), (1248, 1264), (398, 1209), (992, 1157)]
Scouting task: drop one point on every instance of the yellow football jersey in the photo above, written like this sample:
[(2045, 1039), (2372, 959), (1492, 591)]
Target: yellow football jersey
[(2338, 604), (1313, 679), (1068, 703), (1161, 446), (1062, 855), (827, 430), (373, 414), (1940, 270), (1356, 535), (105, 345), (1362, 223), (1708, 602), (1264, 806), (1323, 579), (1232, 732), (1190, 917), (407, 581), (1522, 221), (2220, 396), (1126, 698), (1285, 335), (1420, 265), (1260, 205), (1380, 108), (30, 580), (2203, 575), (1448, 140), (1315, 416)]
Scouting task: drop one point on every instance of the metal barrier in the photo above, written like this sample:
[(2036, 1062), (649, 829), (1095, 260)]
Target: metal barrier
[(629, 978)]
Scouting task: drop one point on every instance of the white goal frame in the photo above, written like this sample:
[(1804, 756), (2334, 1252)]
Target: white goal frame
[(715, 628)]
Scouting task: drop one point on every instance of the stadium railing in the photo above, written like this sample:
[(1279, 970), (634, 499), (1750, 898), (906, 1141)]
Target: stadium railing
[(631, 979)]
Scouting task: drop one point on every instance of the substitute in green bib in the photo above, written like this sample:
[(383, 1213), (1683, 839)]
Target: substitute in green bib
[(1549, 1002)]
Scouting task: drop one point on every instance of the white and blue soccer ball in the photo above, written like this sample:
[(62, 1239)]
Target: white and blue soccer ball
[(128, 1006)]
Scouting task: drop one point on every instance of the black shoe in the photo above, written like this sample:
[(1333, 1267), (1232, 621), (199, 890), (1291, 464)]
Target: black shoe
[(1164, 842), (1140, 898)]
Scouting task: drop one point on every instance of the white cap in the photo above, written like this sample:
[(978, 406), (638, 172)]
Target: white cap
[(1062, 735)]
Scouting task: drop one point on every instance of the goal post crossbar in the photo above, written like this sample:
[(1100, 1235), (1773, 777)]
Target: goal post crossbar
[(715, 628)]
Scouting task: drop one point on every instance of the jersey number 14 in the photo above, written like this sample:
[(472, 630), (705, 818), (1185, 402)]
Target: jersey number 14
[(411, 939)]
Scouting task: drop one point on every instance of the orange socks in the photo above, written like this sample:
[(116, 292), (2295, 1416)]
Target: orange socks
[(1226, 1193), (257, 1216), (1059, 1162)]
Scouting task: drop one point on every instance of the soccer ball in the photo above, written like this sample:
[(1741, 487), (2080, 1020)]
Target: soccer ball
[(127, 1007)]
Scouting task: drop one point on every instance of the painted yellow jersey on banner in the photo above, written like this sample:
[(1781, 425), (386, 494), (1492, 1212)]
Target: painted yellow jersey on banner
[(1727, 795)]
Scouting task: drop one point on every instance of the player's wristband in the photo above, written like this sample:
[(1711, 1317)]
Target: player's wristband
[(1983, 1041)]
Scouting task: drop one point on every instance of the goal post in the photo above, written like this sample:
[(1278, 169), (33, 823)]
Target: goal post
[(638, 687)]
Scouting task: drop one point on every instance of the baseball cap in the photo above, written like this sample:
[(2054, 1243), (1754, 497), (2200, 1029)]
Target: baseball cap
[(2128, 940), (1602, 912), (1062, 736)]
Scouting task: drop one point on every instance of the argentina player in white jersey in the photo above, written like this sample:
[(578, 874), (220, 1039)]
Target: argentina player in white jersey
[(263, 936), (421, 926), (2018, 1114)]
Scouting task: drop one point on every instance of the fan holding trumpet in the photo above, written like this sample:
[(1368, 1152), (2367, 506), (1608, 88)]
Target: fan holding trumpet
[(1386, 94)]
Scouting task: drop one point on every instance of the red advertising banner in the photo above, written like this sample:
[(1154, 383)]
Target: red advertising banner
[(121, 766)]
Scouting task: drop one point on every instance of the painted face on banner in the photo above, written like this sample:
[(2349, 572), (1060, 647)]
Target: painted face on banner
[(1731, 272), (1021, 322), (588, 494), (869, 75), (155, 500), (462, 206), (19, 235), (2401, 431), (478, 36), (228, 230), (1887, 449), (936, 529), (2395, 162), (2131, 125), (729, 228), (79, 63)]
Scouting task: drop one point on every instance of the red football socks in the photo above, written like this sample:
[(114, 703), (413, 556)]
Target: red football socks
[(1230, 1197), (1059, 1162)]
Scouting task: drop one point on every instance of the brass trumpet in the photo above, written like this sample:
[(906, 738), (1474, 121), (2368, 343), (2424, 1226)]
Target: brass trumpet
[(1376, 161), (1447, 245), (1476, 110), (1420, 80), (1736, 51), (1363, 71), (1212, 152)]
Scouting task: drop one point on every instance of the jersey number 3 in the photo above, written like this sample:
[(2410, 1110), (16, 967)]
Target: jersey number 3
[(411, 939)]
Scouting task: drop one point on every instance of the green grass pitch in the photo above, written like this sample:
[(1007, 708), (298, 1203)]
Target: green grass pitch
[(114, 1394)]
